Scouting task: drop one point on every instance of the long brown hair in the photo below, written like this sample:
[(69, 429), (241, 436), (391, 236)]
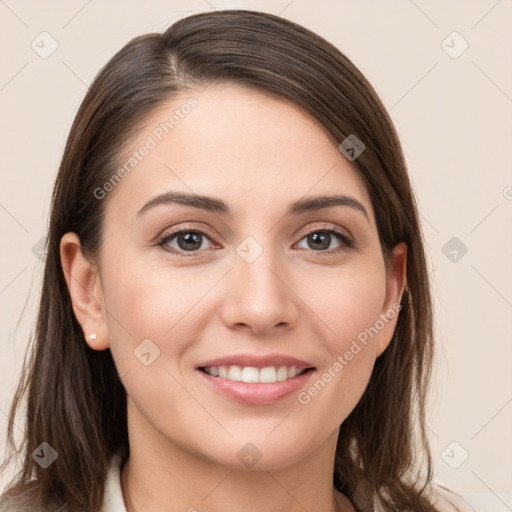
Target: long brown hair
[(76, 401)]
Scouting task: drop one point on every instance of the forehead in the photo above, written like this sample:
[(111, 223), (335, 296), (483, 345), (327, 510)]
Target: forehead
[(237, 143)]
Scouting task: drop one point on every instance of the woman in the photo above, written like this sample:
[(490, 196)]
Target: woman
[(236, 311)]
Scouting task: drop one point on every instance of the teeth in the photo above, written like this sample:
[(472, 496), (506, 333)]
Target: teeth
[(268, 374), (282, 373), (235, 373), (253, 375), (249, 374)]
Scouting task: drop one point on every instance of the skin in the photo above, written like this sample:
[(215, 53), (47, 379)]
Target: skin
[(258, 154)]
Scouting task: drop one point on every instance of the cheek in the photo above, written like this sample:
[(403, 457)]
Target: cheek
[(348, 305), (346, 300), (148, 302), (151, 322)]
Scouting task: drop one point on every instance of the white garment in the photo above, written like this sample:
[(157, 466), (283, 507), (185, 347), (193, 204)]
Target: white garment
[(113, 498)]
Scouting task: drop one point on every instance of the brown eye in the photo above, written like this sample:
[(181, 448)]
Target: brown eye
[(186, 241), (320, 240)]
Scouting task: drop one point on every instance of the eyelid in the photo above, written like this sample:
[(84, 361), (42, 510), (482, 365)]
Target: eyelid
[(347, 240), (324, 227), (173, 232)]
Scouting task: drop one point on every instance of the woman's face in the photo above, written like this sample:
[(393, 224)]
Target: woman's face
[(252, 273)]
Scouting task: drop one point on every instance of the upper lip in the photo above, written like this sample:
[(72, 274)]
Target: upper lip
[(257, 361)]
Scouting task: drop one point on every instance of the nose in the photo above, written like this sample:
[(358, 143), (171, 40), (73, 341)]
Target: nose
[(259, 296)]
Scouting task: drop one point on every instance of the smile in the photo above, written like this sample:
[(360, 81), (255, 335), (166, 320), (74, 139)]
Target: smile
[(255, 393), (250, 374)]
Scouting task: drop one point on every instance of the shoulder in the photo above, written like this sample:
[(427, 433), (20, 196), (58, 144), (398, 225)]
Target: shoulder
[(446, 500)]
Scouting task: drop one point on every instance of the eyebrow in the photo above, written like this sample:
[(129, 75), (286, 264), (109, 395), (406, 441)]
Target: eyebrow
[(212, 204)]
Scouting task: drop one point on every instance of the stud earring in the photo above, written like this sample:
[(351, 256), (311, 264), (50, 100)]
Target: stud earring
[(92, 336)]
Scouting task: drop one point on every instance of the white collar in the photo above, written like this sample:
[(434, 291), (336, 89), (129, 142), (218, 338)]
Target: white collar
[(113, 499)]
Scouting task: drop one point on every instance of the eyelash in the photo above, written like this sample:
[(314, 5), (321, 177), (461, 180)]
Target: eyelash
[(347, 242)]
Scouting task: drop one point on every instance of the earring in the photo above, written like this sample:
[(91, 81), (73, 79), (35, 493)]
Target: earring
[(92, 336)]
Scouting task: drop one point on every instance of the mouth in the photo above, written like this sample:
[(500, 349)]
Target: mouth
[(246, 367), (255, 379), (255, 375), (253, 386)]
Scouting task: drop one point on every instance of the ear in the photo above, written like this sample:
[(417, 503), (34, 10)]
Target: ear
[(396, 275), (84, 286)]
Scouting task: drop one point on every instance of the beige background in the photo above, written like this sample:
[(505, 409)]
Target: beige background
[(454, 119)]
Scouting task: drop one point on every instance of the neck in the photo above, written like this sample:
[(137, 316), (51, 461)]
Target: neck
[(230, 492), (160, 474)]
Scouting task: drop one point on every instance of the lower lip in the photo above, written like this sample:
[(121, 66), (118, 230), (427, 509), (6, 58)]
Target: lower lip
[(261, 393)]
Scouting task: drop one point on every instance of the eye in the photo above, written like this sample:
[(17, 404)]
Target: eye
[(321, 239), (187, 240)]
